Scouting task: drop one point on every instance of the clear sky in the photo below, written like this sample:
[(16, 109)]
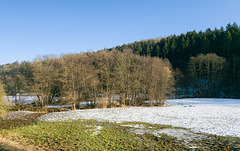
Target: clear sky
[(29, 28)]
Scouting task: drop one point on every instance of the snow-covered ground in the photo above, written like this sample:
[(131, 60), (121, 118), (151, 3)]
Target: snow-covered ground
[(213, 116), (206, 101)]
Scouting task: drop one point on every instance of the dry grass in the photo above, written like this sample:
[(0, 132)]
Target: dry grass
[(18, 119), (12, 120), (12, 145)]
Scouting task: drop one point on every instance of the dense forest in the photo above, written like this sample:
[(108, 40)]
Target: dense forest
[(180, 49), (203, 64)]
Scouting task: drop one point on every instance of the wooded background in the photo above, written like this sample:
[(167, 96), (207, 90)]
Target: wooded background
[(203, 64)]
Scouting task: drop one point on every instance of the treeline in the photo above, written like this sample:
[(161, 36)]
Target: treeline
[(179, 49), (104, 79), (206, 64)]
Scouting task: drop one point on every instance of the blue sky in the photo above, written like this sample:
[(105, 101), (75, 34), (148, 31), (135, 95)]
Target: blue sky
[(29, 28)]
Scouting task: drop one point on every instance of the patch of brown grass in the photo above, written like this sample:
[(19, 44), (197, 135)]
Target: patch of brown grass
[(11, 145), (12, 120), (18, 119)]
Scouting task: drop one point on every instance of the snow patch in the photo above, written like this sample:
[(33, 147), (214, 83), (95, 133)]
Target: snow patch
[(213, 116)]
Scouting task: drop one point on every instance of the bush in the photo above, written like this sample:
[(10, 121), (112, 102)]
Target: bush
[(3, 107)]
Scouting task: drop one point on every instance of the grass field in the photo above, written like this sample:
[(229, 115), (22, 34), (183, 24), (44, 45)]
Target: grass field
[(94, 135)]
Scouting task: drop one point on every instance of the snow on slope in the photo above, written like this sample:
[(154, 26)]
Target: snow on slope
[(213, 116)]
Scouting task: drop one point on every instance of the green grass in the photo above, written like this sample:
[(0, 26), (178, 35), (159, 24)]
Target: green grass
[(78, 135), (81, 135)]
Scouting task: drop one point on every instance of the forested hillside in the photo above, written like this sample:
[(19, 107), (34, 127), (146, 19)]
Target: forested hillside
[(224, 42), (205, 64)]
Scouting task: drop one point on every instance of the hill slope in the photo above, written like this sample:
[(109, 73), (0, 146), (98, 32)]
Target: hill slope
[(179, 49)]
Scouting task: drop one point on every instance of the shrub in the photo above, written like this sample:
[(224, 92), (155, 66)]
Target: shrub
[(3, 107)]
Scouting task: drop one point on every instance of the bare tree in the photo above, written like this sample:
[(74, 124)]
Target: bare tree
[(15, 81), (44, 79)]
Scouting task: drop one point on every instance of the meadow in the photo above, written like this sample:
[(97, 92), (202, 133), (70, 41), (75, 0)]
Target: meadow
[(28, 131)]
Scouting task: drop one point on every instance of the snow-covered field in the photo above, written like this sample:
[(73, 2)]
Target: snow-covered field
[(213, 116)]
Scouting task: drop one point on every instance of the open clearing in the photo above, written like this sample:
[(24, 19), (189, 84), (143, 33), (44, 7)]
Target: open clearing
[(130, 128), (212, 116)]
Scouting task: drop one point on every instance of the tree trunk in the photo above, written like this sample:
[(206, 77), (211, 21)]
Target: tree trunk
[(19, 98), (74, 105)]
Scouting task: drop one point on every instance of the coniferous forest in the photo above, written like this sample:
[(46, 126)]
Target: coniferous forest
[(203, 64), (184, 49)]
